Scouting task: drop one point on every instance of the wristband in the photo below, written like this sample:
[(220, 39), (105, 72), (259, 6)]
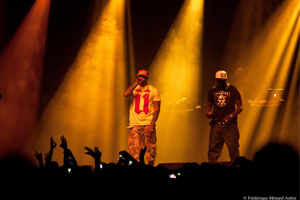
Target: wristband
[(231, 115)]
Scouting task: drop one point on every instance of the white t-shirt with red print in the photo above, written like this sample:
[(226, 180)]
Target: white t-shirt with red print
[(141, 108)]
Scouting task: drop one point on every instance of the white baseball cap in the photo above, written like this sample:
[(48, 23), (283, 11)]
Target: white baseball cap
[(221, 75)]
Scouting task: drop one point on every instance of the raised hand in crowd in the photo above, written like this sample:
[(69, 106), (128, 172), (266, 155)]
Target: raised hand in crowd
[(47, 159), (126, 158), (69, 159), (95, 154), (52, 144), (63, 144), (48, 156), (39, 157)]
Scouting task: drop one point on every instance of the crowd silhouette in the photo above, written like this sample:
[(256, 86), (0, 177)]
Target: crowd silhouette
[(274, 173)]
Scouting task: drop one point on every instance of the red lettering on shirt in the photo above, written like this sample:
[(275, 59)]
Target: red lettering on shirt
[(146, 102)]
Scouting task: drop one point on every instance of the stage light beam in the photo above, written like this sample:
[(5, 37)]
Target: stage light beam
[(267, 63), (89, 108), (21, 65), (176, 72)]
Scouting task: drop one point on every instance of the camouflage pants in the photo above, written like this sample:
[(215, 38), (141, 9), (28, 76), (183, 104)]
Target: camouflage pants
[(138, 139)]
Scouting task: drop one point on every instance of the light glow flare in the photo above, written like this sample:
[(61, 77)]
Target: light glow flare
[(89, 108), (267, 56), (21, 66), (176, 72)]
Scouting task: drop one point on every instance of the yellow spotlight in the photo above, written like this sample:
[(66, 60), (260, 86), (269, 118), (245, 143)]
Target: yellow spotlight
[(21, 66), (267, 56), (196, 5), (176, 72), (89, 108)]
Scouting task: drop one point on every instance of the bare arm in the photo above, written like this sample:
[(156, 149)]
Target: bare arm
[(238, 110), (208, 110), (156, 105), (129, 91)]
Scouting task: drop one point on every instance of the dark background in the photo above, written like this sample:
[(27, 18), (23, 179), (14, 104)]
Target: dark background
[(70, 22)]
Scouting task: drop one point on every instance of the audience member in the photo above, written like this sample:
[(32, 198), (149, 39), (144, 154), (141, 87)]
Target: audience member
[(273, 173)]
